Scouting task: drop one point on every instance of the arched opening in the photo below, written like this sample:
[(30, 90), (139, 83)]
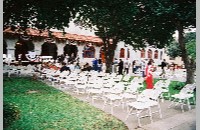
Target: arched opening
[(102, 55), (122, 51), (70, 50), (4, 47), (89, 51), (142, 53), (49, 49), (23, 46), (156, 54), (150, 54)]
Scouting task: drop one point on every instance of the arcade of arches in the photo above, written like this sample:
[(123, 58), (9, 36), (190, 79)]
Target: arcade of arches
[(88, 51)]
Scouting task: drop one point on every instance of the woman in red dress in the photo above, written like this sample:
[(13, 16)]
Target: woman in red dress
[(149, 75)]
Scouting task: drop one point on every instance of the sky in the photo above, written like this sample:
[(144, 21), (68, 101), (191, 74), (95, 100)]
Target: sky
[(77, 30), (73, 29)]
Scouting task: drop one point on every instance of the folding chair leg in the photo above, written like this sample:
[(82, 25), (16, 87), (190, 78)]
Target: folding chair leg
[(159, 110), (150, 115), (129, 113), (194, 101), (138, 118), (188, 103), (182, 107), (172, 102)]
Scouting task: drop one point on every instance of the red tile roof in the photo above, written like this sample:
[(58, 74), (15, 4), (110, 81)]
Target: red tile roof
[(59, 35)]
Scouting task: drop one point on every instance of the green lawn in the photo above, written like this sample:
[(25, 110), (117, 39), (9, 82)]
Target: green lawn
[(45, 108)]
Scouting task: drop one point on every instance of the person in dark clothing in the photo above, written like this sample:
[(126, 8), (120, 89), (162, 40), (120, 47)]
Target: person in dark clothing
[(99, 65), (120, 66), (163, 65), (86, 67), (95, 64), (65, 68)]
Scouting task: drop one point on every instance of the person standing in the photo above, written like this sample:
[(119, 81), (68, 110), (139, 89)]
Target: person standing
[(134, 66), (163, 65), (99, 65), (143, 64), (121, 64), (149, 75), (126, 64)]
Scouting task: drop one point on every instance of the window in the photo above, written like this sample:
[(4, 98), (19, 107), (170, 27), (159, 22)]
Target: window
[(156, 54), (122, 53), (142, 53), (150, 54), (89, 51)]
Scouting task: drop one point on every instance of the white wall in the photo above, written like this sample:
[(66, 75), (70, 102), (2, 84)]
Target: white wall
[(134, 55)]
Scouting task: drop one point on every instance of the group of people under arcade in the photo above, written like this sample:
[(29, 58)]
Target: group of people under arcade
[(70, 60), (25, 45)]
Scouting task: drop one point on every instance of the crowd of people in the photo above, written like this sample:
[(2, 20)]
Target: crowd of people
[(144, 67)]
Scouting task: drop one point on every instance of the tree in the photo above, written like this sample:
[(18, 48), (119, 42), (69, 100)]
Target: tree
[(108, 19), (161, 19), (173, 50), (44, 14)]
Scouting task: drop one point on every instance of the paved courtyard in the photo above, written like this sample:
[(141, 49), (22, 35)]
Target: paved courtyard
[(173, 118)]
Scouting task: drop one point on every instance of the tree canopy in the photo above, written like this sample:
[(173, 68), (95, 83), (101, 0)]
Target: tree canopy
[(42, 14), (173, 50), (138, 23)]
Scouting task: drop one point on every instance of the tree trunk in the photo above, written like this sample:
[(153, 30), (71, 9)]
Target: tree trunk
[(189, 64), (109, 50)]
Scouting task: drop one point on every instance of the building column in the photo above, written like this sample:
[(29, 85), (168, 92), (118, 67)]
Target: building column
[(80, 52), (97, 52), (146, 53), (153, 52)]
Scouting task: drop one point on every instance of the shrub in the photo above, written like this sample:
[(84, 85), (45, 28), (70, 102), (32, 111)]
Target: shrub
[(10, 113), (179, 85)]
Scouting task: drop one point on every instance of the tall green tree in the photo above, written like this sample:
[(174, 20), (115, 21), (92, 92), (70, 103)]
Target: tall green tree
[(105, 17), (173, 50), (179, 15), (43, 14)]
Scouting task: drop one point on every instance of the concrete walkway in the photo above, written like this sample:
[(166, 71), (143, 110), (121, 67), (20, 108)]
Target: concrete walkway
[(173, 118)]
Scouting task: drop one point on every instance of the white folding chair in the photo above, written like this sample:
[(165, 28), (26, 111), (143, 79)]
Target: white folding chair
[(146, 100), (186, 93)]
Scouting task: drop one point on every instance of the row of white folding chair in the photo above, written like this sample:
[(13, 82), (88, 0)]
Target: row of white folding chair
[(185, 94), (126, 78), (138, 79), (118, 95), (163, 85), (20, 70), (145, 102)]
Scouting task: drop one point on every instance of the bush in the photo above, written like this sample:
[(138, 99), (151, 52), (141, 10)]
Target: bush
[(10, 113), (179, 85)]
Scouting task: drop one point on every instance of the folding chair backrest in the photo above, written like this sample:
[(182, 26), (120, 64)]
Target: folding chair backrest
[(188, 88), (155, 94), (167, 82)]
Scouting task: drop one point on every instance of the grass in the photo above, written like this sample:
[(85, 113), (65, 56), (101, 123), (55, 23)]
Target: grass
[(46, 108)]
